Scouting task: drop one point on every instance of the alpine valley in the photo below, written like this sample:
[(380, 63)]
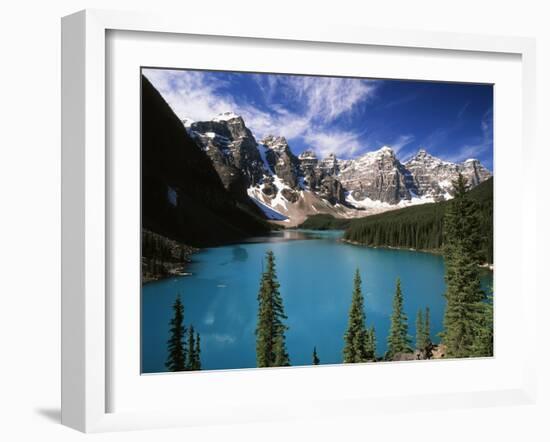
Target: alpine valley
[(207, 183), (258, 254)]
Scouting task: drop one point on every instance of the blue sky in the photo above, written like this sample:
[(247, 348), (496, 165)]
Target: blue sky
[(344, 116)]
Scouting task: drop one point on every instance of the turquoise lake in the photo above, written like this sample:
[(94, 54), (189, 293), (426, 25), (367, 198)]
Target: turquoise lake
[(315, 270)]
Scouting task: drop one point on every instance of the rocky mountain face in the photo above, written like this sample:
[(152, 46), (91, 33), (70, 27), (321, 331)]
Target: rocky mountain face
[(378, 176), (282, 162), (321, 176), (288, 188), (433, 176), (232, 149)]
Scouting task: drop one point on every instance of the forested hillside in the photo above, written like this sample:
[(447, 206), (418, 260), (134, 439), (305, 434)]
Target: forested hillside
[(325, 222), (421, 227)]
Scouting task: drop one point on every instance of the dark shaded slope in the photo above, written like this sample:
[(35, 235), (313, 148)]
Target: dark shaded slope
[(421, 227), (183, 197)]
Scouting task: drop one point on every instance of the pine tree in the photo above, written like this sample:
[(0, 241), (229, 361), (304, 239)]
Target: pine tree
[(191, 355), (270, 329), (367, 345), (427, 327), (420, 332), (483, 340), (398, 338), (423, 339), (176, 360), (198, 365), (355, 338), (316, 359), (371, 344), (264, 332), (281, 358), (462, 252)]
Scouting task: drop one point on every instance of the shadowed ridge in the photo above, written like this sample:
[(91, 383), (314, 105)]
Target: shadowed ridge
[(182, 195)]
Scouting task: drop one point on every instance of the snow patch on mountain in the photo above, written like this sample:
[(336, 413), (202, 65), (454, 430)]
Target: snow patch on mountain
[(269, 212), (262, 148), (226, 116), (368, 203)]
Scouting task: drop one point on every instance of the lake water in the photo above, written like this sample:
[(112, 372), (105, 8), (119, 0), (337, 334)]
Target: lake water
[(315, 270)]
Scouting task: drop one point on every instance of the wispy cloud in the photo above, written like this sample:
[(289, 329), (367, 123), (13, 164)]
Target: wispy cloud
[(479, 146), (340, 143), (328, 98), (189, 95), (317, 102), (462, 110), (401, 142)]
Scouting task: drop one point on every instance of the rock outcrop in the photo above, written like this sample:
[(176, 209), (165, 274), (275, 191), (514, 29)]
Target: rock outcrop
[(377, 176), (281, 160), (232, 149)]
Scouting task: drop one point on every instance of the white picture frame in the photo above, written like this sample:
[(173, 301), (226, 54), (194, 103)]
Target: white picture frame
[(86, 204)]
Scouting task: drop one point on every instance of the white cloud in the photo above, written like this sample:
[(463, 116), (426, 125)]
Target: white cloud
[(188, 94), (322, 100), (328, 98), (340, 143)]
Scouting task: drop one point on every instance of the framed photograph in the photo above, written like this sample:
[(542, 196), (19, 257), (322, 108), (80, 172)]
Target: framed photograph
[(250, 215)]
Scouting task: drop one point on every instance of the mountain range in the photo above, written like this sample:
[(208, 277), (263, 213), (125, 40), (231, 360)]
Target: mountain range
[(289, 188)]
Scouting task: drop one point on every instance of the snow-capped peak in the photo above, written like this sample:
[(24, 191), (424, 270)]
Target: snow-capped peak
[(225, 116), (187, 122), (424, 158), (308, 154), (275, 143)]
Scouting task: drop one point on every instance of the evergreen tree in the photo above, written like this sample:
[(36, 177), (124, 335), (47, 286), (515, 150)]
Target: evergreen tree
[(281, 358), (355, 338), (316, 359), (423, 339), (191, 354), (270, 329), (483, 340), (198, 365), (176, 360), (427, 327), (371, 344), (462, 254), (367, 345), (421, 227), (264, 332), (420, 332), (398, 338)]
